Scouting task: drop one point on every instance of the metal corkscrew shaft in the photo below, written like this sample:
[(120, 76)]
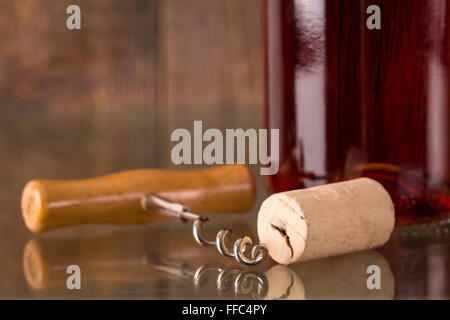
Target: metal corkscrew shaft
[(182, 213)]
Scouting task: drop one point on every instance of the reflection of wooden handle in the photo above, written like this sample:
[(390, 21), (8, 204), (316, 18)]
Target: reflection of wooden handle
[(125, 255), (115, 198)]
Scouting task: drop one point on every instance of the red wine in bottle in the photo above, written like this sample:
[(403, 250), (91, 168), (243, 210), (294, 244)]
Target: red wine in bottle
[(354, 101)]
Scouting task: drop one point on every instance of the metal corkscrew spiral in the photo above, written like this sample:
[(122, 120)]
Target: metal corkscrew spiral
[(182, 213)]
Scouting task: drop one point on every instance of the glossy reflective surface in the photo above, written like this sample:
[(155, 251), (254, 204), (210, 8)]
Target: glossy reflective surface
[(356, 102), (80, 105), (164, 262)]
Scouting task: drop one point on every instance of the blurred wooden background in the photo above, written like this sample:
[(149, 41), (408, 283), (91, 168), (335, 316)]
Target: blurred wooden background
[(76, 104)]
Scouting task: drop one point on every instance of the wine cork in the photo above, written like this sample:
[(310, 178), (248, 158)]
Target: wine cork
[(326, 221)]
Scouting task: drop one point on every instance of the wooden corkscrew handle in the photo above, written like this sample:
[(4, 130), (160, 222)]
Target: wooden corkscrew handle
[(115, 198)]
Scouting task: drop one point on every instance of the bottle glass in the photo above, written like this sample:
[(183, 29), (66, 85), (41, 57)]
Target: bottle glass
[(352, 100)]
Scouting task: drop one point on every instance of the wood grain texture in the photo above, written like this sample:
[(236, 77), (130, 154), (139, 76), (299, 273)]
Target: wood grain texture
[(80, 104), (116, 198)]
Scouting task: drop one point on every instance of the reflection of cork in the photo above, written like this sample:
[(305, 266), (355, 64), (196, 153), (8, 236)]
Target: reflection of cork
[(341, 277), (325, 221), (284, 284)]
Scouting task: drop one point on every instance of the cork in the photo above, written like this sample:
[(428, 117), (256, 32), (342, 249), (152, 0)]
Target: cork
[(326, 221)]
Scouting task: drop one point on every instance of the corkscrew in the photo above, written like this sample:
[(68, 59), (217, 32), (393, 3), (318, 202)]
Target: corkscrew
[(147, 196), (182, 213)]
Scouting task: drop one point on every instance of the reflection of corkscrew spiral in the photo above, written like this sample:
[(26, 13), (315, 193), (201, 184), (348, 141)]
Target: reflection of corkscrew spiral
[(227, 278), (243, 283)]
